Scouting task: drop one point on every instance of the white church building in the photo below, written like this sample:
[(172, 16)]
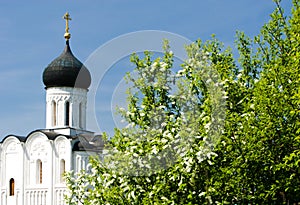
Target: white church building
[(32, 166)]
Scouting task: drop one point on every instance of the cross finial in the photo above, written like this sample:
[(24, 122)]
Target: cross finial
[(67, 18)]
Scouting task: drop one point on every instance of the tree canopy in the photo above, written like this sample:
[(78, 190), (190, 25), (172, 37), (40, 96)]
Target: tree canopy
[(221, 130)]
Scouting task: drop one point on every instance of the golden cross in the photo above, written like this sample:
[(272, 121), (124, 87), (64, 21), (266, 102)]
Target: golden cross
[(67, 18)]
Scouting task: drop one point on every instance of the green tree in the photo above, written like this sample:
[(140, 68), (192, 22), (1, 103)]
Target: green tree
[(229, 134)]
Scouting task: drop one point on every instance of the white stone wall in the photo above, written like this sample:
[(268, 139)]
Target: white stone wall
[(63, 151), (38, 147), (80, 161), (61, 95), (12, 154), (18, 160)]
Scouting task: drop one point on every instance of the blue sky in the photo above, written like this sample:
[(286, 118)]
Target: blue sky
[(31, 36)]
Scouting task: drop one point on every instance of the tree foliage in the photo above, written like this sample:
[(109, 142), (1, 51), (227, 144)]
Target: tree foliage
[(228, 134)]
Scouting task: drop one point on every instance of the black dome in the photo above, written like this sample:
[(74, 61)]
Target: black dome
[(66, 71)]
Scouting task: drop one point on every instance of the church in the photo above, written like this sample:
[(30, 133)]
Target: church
[(32, 166)]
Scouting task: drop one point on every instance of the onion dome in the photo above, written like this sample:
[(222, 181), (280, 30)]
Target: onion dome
[(66, 71)]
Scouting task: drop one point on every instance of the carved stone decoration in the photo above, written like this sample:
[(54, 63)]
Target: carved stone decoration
[(12, 147), (38, 149), (61, 146)]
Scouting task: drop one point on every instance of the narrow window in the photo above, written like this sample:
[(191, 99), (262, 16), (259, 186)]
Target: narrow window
[(11, 187), (39, 171), (53, 113), (67, 114), (62, 169), (80, 115)]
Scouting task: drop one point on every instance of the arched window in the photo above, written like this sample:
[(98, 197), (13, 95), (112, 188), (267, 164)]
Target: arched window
[(62, 169), (39, 171), (11, 187), (67, 114), (80, 115), (54, 108)]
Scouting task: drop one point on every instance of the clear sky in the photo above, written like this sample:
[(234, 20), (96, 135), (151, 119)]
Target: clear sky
[(31, 36)]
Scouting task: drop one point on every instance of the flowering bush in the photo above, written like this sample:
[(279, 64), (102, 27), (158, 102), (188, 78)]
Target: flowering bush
[(227, 134)]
